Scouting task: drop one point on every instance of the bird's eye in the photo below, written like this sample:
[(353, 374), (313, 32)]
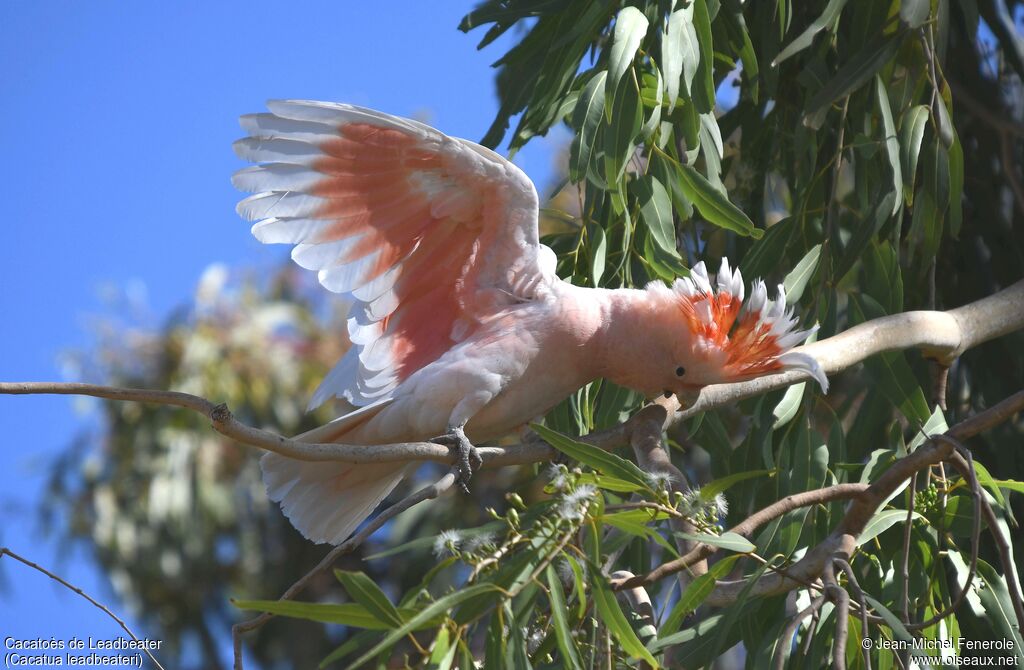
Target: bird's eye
[(668, 394), (680, 371)]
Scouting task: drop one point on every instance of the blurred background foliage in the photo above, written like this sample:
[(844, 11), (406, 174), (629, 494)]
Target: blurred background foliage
[(865, 154)]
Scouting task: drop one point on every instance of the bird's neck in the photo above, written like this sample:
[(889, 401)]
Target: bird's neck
[(625, 335)]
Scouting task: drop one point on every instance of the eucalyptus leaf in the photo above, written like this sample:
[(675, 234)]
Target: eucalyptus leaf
[(680, 52), (630, 27)]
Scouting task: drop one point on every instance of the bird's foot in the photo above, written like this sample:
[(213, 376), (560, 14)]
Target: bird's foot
[(467, 456)]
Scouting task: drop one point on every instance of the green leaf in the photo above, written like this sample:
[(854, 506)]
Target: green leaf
[(713, 488), (806, 38), (611, 614), (348, 614), (892, 143), (630, 28), (883, 521), (714, 206), (443, 654), (999, 612), (609, 464), (365, 592), (680, 52), (609, 483), (764, 256), (355, 642), (560, 617), (437, 609), (598, 251), (621, 134), (898, 630), (852, 75), (911, 134), (586, 119), (695, 594), (913, 13), (727, 540), (956, 187), (656, 212), (985, 479), (788, 406), (704, 92), (797, 279)]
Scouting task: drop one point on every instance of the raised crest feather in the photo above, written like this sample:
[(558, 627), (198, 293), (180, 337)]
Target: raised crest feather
[(754, 337)]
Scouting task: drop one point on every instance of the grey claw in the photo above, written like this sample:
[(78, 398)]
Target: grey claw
[(467, 456)]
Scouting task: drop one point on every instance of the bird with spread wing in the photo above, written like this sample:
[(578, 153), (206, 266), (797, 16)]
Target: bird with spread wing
[(461, 331)]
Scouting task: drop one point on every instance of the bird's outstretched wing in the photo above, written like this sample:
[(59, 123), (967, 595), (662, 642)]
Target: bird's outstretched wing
[(428, 234)]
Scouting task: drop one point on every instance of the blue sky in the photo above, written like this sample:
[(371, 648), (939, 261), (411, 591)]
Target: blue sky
[(116, 126)]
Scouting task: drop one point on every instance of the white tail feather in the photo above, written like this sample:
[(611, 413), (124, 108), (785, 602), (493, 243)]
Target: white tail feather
[(326, 502)]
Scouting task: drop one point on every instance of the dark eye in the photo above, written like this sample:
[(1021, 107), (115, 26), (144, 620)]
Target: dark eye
[(668, 394), (680, 371)]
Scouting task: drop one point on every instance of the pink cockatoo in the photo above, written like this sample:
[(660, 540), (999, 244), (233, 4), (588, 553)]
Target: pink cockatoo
[(461, 332)]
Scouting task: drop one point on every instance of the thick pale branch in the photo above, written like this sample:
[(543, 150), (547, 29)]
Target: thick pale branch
[(940, 335)]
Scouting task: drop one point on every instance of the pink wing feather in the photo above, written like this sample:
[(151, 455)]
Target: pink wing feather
[(428, 234)]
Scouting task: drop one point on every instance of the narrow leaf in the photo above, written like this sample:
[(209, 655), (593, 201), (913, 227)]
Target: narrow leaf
[(898, 629), (727, 540), (892, 143), (714, 206), (560, 617), (609, 464), (656, 211), (365, 592), (806, 38), (586, 119), (797, 279), (852, 75), (431, 612), (680, 53), (882, 522), (611, 614), (630, 28), (911, 134), (722, 484)]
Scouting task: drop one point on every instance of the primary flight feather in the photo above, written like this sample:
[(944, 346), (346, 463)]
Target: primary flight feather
[(460, 329)]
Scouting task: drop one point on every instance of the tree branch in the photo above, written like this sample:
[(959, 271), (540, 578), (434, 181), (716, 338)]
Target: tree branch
[(4, 551), (428, 492), (746, 528), (842, 540), (941, 335)]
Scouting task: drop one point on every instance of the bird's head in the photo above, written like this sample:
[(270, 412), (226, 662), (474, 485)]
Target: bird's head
[(699, 331)]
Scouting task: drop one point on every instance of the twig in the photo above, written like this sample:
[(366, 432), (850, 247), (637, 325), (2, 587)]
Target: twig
[(790, 630), (908, 528), (842, 540), (4, 551), (862, 604), (940, 380), (653, 459), (965, 464), (428, 492), (1005, 551), (941, 335), (841, 599), (746, 528)]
